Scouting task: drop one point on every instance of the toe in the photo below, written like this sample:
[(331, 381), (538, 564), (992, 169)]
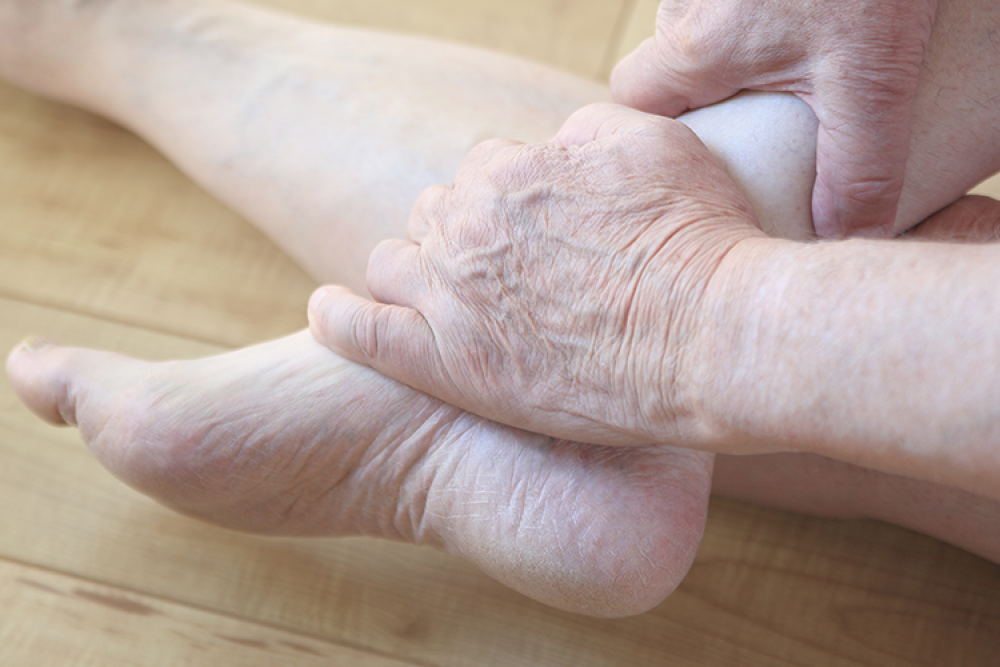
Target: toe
[(41, 377), (70, 386)]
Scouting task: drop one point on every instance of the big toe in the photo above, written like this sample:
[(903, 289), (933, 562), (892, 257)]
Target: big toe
[(45, 376)]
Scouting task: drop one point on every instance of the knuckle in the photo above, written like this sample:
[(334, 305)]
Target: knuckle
[(366, 330), (428, 212), (515, 169), (868, 198), (485, 153), (491, 147), (379, 273), (875, 81), (698, 37), (429, 201), (871, 188), (586, 116), (376, 333), (486, 162)]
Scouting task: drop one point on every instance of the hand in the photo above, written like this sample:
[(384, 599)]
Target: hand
[(856, 63), (285, 438), (556, 287)]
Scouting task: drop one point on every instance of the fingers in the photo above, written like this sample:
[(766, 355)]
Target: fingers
[(972, 219), (650, 80), (394, 275), (597, 121), (861, 152), (481, 155), (856, 63), (394, 340), (425, 210)]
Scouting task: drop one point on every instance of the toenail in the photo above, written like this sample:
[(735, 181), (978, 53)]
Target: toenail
[(34, 344)]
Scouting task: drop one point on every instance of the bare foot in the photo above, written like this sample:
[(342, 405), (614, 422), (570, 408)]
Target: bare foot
[(287, 438)]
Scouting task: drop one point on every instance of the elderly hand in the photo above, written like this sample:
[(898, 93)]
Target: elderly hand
[(557, 287), (855, 62)]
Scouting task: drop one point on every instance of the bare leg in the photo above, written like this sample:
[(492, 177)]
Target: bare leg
[(321, 134), (821, 486), (300, 144)]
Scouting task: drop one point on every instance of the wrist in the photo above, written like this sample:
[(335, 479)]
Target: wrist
[(878, 353), (733, 349)]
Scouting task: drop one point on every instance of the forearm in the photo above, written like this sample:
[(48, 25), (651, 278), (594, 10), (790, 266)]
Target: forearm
[(882, 354), (955, 140)]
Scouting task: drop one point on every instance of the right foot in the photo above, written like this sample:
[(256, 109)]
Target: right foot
[(287, 438)]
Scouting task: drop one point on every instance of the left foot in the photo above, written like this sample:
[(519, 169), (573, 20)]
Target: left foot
[(288, 438)]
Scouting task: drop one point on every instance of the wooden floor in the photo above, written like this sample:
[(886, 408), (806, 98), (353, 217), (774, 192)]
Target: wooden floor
[(105, 244)]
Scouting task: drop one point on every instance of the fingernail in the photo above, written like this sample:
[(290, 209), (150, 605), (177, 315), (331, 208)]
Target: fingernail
[(34, 344)]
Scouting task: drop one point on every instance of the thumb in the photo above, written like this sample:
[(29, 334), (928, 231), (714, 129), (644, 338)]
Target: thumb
[(653, 79), (394, 340), (861, 150), (971, 219)]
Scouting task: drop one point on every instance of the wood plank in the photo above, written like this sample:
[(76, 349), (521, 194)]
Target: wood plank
[(639, 24), (573, 36), (95, 223), (51, 620), (990, 187), (93, 220), (767, 589), (866, 592)]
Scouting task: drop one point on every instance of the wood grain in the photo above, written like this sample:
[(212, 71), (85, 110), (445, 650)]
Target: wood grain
[(55, 620), (107, 245), (576, 36), (95, 221), (767, 588), (638, 25), (990, 187)]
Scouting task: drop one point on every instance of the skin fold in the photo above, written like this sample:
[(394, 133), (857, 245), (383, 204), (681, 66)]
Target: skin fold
[(323, 138)]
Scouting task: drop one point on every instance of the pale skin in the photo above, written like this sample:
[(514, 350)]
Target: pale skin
[(516, 298), (855, 62), (590, 529), (611, 286)]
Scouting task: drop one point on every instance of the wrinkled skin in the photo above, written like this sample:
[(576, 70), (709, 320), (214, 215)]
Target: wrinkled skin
[(856, 62), (555, 284), (287, 438)]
